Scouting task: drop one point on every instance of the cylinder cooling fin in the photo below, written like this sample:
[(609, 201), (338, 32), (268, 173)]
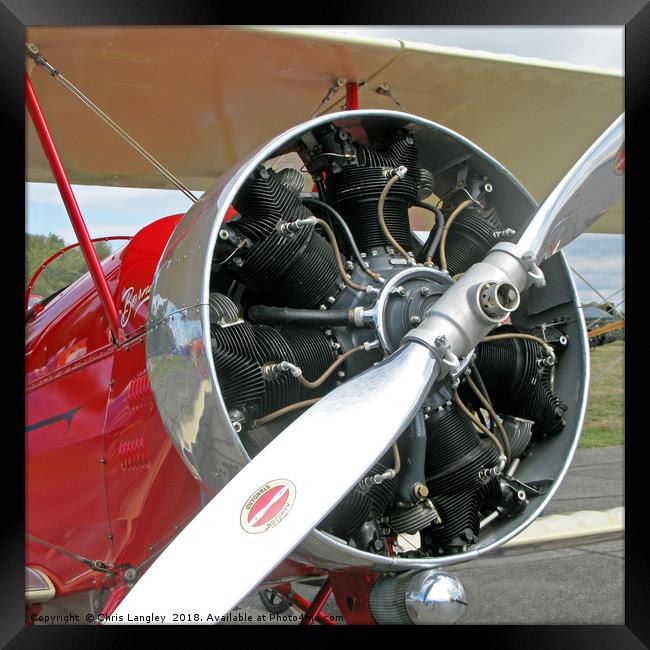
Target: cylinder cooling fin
[(316, 275)]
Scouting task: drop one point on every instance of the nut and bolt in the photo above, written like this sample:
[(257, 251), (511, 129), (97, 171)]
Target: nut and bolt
[(425, 291), (415, 320), (420, 490), (441, 342)]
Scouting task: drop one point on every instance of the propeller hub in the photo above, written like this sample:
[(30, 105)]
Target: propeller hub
[(405, 301)]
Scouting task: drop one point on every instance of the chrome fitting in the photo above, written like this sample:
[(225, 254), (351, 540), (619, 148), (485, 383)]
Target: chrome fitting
[(287, 228), (429, 597), (370, 481), (272, 370), (497, 299), (504, 235), (400, 172)]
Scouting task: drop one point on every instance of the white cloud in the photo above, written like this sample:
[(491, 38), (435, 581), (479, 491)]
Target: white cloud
[(589, 46), (104, 197)]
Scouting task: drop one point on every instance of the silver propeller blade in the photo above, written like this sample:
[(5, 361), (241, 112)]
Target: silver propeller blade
[(588, 190), (305, 471)]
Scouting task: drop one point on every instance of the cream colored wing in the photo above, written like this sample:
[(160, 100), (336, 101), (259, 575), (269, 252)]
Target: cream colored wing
[(200, 98)]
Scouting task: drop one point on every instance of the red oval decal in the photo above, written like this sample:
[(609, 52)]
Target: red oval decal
[(268, 506), (619, 164)]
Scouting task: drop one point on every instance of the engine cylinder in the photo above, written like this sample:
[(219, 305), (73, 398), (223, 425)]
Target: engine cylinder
[(294, 270), (519, 381), (355, 190), (471, 235)]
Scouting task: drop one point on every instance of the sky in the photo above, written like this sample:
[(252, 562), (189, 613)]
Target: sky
[(599, 258)]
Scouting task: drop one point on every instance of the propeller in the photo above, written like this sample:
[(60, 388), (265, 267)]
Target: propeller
[(274, 502)]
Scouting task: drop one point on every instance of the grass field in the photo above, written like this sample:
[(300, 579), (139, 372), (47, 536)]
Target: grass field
[(604, 421)]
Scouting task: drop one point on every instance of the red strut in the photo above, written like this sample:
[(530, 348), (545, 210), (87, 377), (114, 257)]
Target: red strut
[(352, 96), (76, 218), (317, 604)]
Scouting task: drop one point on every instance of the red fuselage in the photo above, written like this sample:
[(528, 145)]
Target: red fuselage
[(103, 479)]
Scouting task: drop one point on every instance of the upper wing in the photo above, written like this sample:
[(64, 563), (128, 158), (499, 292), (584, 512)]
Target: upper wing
[(194, 97)]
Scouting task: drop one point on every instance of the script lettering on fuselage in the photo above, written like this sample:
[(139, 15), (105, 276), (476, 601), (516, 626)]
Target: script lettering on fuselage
[(132, 300)]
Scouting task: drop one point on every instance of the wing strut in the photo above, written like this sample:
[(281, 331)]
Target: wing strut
[(72, 207)]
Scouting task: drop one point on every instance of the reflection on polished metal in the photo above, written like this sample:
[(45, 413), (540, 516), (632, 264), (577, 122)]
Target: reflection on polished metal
[(348, 418), (588, 190), (431, 597), (435, 598)]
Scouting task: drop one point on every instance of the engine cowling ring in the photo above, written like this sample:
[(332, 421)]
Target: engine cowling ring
[(182, 372)]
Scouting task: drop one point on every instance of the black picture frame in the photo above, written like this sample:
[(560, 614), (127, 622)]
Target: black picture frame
[(15, 15)]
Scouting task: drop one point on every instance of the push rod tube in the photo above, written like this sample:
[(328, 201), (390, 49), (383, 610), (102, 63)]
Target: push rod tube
[(70, 202)]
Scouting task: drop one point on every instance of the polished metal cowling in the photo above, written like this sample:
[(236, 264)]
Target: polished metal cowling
[(186, 386)]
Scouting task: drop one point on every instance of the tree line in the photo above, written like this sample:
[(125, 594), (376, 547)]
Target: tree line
[(62, 271)]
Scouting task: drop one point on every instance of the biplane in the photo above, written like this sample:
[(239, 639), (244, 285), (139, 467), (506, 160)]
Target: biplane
[(285, 384)]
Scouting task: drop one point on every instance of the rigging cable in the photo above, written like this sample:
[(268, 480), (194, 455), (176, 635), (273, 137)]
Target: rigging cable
[(34, 53)]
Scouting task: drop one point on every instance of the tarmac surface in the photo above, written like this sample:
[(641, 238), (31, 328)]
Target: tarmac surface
[(577, 583)]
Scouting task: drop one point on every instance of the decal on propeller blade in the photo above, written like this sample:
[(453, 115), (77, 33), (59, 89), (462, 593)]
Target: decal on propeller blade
[(619, 163), (268, 506)]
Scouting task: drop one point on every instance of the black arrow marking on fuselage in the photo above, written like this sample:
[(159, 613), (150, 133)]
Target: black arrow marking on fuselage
[(68, 415)]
